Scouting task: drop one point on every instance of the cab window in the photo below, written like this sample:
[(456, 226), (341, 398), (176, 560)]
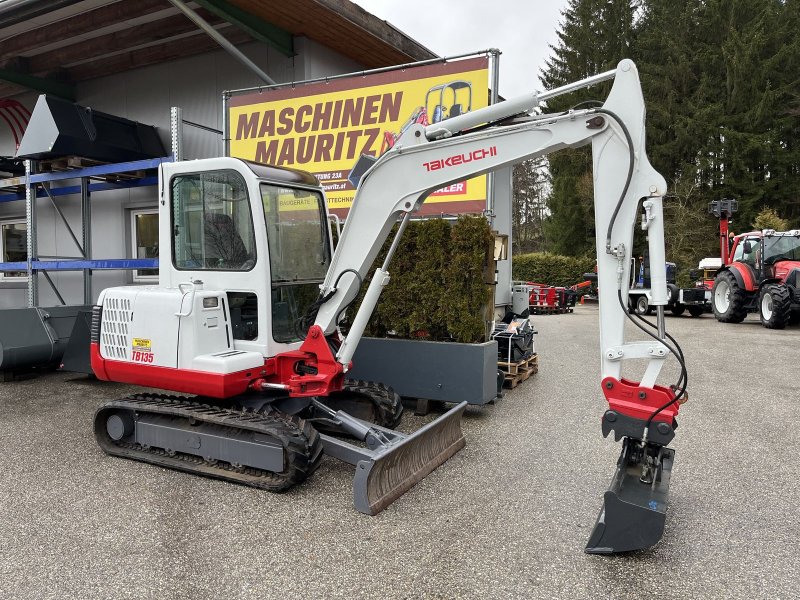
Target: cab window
[(750, 255), (212, 225), (299, 254)]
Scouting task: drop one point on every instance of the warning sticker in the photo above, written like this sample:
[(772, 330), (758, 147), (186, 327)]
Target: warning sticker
[(142, 345)]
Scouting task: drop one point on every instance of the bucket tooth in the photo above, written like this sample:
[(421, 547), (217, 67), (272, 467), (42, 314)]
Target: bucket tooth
[(389, 471), (633, 513)]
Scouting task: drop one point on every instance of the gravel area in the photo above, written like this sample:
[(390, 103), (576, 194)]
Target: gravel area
[(507, 517)]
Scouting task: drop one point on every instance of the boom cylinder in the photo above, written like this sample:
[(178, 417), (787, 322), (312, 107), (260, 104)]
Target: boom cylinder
[(348, 348), (653, 223)]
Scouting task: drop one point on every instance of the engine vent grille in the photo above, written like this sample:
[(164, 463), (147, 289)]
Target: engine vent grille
[(114, 330)]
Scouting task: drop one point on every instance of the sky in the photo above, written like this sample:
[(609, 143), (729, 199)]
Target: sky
[(520, 29)]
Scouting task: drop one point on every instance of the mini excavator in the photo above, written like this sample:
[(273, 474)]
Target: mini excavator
[(246, 316)]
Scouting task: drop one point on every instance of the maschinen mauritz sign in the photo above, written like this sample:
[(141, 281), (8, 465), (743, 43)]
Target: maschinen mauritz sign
[(336, 129)]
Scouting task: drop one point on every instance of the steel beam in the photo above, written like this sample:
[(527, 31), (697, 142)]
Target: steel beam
[(31, 244), (278, 38), (222, 41), (117, 264), (86, 232), (93, 187), (39, 84)]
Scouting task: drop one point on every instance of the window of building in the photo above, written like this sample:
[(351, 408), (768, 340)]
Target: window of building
[(144, 239), (13, 247)]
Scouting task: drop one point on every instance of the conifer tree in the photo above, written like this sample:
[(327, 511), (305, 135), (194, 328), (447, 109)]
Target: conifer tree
[(595, 35)]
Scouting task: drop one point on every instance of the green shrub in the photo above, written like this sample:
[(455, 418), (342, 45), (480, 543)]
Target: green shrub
[(438, 288), (552, 269)]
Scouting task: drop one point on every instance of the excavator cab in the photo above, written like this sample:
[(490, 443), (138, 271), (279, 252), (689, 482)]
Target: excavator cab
[(231, 322)]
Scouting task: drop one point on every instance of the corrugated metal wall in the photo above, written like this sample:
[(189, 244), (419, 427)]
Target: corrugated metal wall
[(146, 95)]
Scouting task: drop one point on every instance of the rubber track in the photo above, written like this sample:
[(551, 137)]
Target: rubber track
[(301, 442)]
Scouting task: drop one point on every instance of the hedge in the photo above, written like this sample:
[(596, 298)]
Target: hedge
[(552, 269), (439, 287)]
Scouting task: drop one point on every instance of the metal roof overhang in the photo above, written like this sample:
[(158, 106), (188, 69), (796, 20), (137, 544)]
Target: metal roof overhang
[(51, 45)]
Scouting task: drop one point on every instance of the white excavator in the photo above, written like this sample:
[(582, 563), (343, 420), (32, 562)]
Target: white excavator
[(246, 316)]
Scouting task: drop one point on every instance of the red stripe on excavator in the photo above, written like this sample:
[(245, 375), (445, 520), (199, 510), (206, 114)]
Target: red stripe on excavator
[(628, 398), (202, 383)]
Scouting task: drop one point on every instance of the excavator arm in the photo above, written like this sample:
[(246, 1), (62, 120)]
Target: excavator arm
[(426, 158)]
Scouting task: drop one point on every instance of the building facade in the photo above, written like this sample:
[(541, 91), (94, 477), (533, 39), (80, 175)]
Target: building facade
[(151, 77)]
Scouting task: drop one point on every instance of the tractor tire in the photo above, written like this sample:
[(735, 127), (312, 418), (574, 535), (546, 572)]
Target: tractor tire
[(641, 305), (677, 309), (696, 310), (794, 317), (774, 306), (728, 299), (369, 401)]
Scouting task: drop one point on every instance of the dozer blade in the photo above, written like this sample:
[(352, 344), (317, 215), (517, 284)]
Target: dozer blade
[(633, 513), (390, 470)]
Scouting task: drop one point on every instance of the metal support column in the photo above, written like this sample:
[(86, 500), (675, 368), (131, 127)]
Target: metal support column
[(30, 221), (226, 135), (494, 64), (86, 228), (176, 132)]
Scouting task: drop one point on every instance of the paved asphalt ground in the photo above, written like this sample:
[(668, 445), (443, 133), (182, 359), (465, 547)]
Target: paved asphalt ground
[(506, 518)]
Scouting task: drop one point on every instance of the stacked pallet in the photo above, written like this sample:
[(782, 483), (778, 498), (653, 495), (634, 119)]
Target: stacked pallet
[(517, 372)]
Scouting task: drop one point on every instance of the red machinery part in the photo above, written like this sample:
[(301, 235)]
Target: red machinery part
[(215, 385), (312, 370), (16, 117), (630, 399)]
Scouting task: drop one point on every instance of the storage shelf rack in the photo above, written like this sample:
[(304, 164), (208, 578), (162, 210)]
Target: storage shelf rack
[(96, 178)]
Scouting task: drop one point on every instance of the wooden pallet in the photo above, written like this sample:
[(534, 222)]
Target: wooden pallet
[(70, 163), (550, 310), (516, 373)]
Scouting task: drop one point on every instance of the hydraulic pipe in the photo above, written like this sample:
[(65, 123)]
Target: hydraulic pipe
[(509, 108), (653, 223)]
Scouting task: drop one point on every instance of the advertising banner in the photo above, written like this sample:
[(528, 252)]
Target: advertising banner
[(337, 129)]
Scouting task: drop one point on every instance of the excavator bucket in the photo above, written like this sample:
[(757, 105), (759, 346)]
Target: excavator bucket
[(386, 472), (634, 511)]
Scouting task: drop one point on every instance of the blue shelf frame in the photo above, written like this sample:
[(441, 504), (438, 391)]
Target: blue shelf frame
[(99, 264), (30, 182)]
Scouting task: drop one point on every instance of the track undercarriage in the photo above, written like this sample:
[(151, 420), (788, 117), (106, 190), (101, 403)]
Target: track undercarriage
[(259, 443)]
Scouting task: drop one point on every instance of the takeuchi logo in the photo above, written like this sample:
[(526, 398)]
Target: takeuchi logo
[(460, 159)]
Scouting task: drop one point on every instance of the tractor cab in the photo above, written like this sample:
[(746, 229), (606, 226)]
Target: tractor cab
[(764, 251), (763, 275)]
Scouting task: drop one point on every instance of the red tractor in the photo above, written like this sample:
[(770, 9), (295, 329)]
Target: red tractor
[(762, 274)]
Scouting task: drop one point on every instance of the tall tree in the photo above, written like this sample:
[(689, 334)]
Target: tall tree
[(595, 35), (529, 205)]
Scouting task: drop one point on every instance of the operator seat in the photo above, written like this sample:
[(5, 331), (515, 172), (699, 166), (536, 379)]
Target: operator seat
[(224, 248)]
